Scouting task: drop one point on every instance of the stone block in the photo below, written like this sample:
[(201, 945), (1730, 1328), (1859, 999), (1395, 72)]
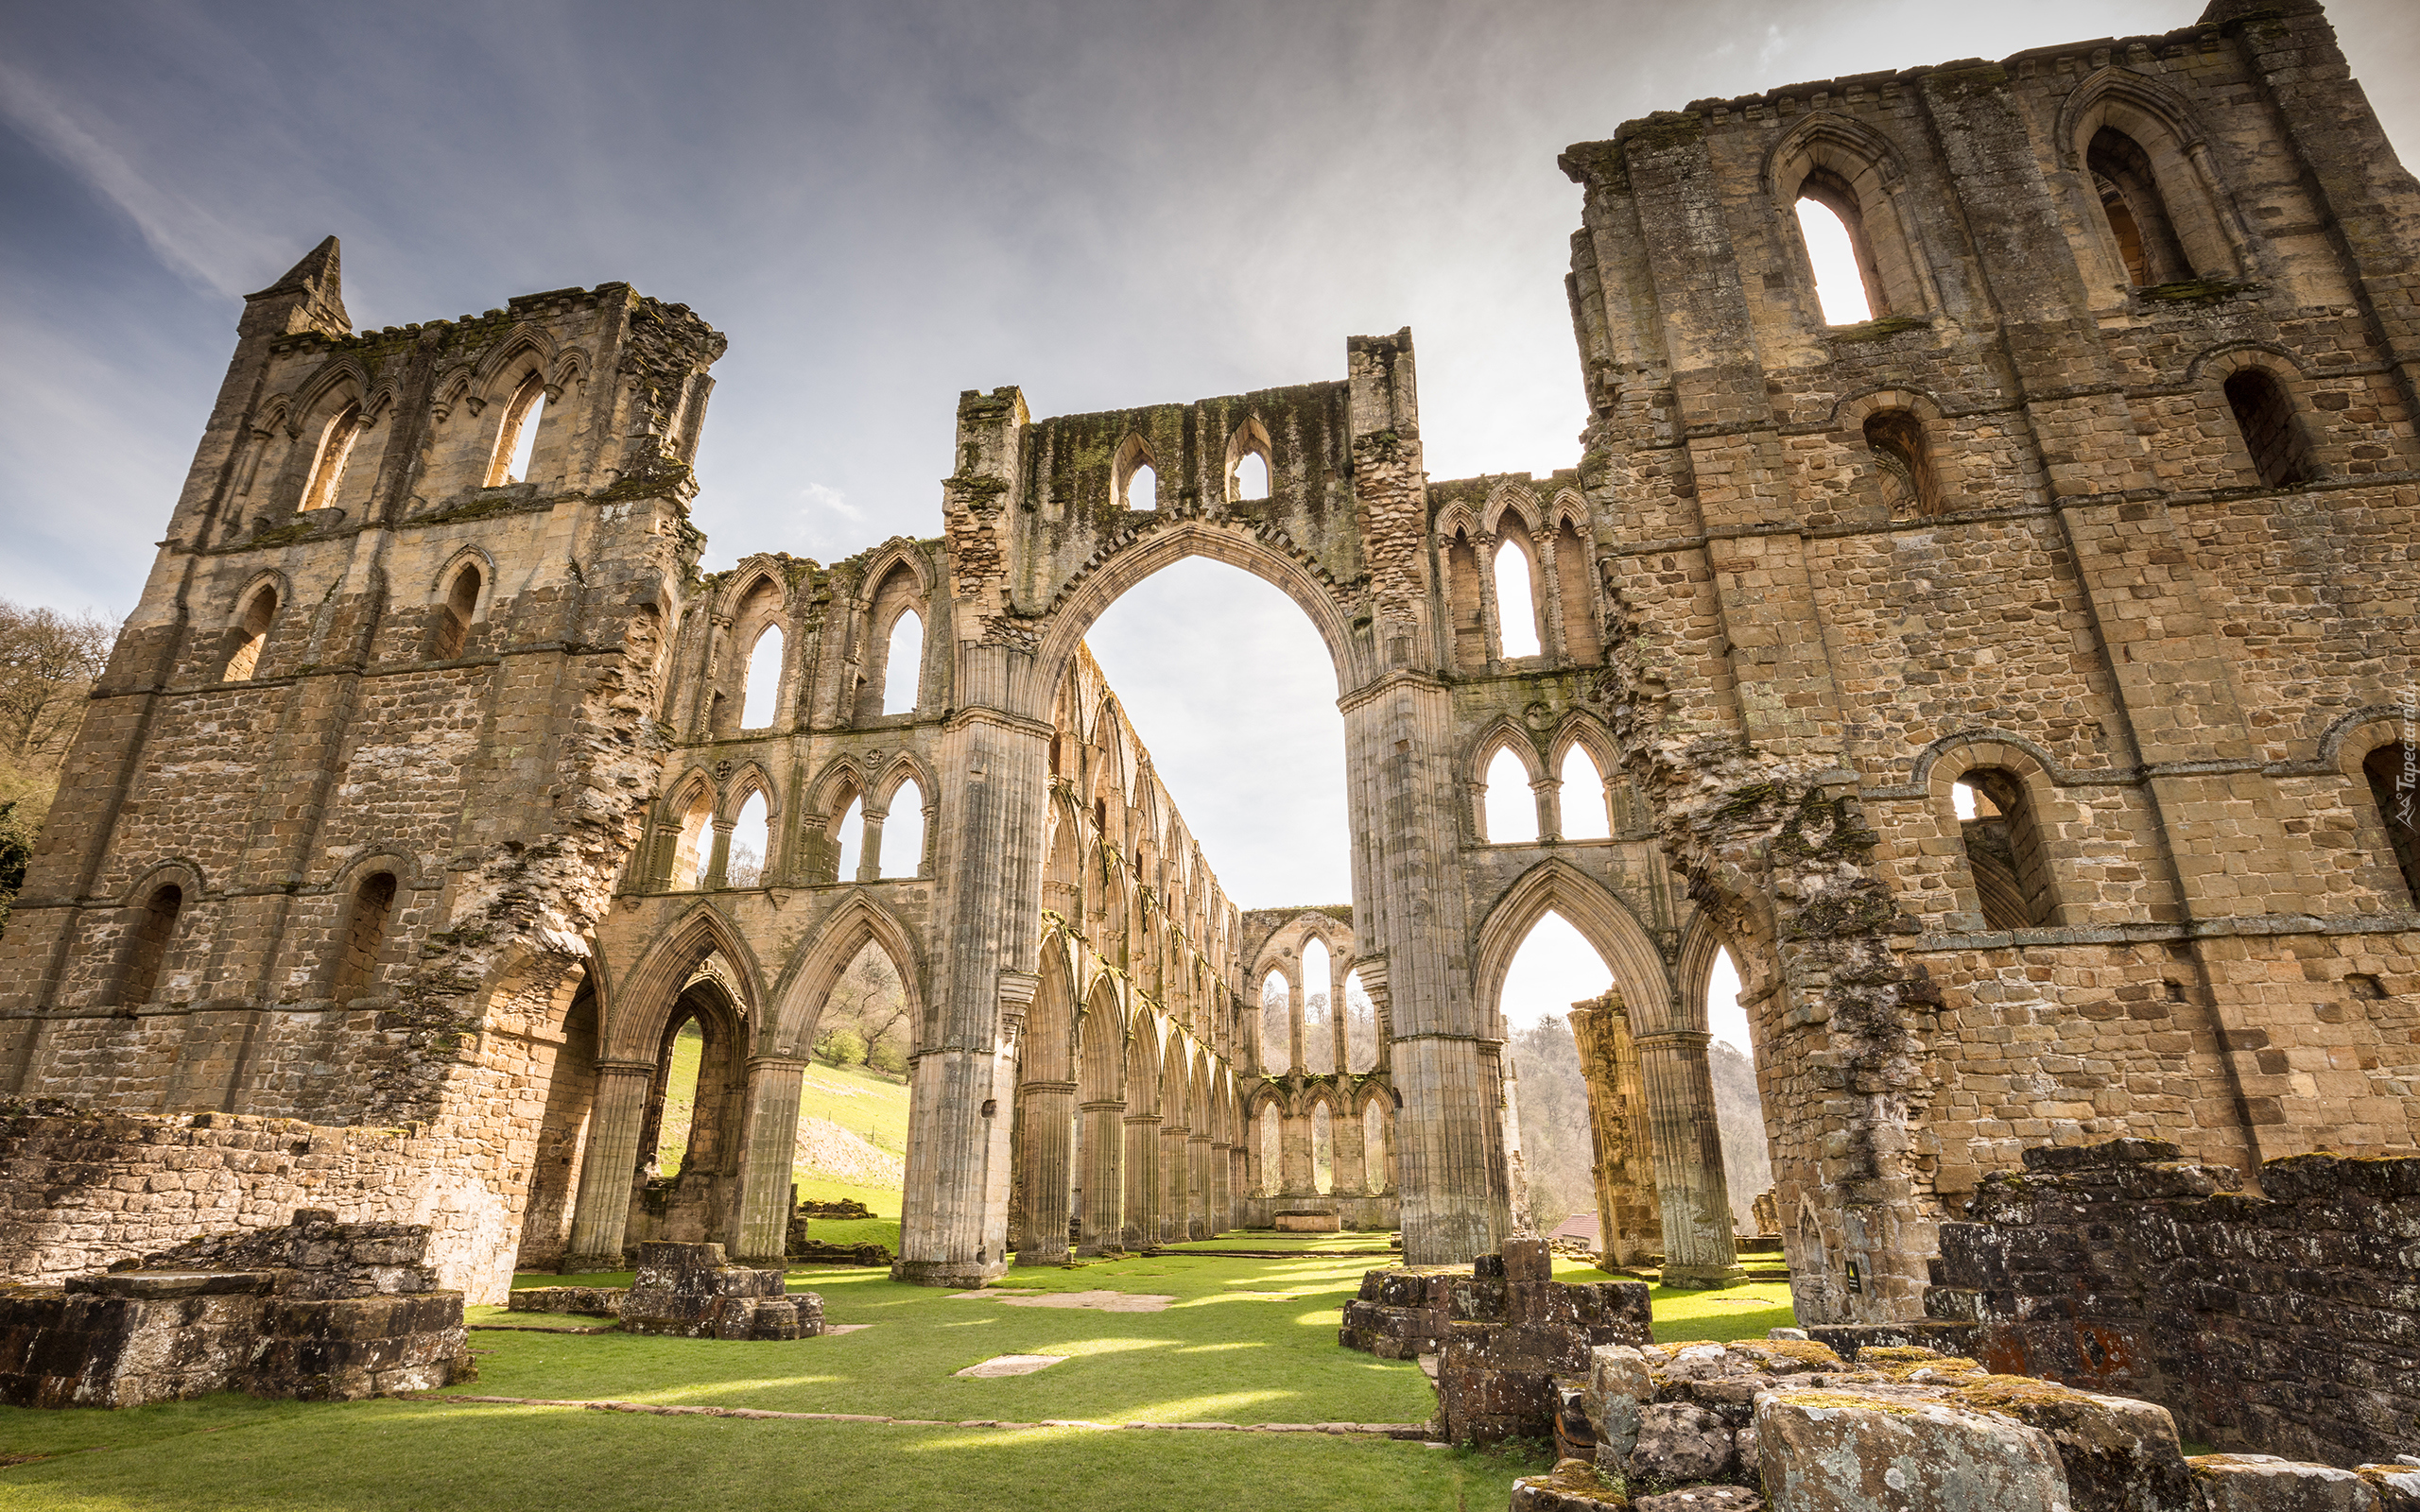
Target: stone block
[(1527, 1259), (1679, 1442), (2263, 1483), (1836, 1451), (1573, 1486), (1619, 1386), (2120, 1455)]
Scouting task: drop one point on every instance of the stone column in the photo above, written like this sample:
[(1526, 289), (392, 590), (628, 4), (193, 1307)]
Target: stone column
[(1104, 1178), (767, 1144), (1698, 1248), (870, 848), (1142, 1226), (1222, 1196), (602, 1209), (1630, 1224), (1546, 792), (1296, 1176), (1336, 969), (1049, 1110), (1174, 1179), (1198, 1223), (1294, 1018), (719, 858), (1238, 1183), (1352, 1173)]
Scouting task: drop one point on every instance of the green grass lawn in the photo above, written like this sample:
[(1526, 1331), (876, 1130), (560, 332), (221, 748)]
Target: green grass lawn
[(858, 1100), (1247, 1340)]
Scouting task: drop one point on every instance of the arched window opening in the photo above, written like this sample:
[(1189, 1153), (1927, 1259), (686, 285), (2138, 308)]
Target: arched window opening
[(694, 852), (1318, 1030), (1731, 1061), (1142, 488), (454, 615), (516, 442), (1360, 1028), (903, 832), (1462, 592), (1273, 1157), (1896, 439), (2270, 432), (764, 680), (1374, 1149), (1586, 814), (1276, 1024), (251, 637), (848, 835), (1516, 603), (1832, 225), (1322, 1149), (328, 459), (751, 842), (1509, 805), (153, 933), (1554, 967), (2137, 214), (1252, 476), (903, 664), (1572, 558), (680, 1077), (2004, 851), (2394, 773), (365, 935)]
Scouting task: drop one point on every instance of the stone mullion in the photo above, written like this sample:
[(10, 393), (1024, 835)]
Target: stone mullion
[(1104, 1177), (718, 859), (1045, 1164), (768, 1148), (1545, 593), (1335, 969), (1293, 1017), (601, 1212), (1689, 1182)]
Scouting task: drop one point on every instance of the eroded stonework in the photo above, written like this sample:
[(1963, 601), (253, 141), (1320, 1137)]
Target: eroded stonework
[(2015, 681)]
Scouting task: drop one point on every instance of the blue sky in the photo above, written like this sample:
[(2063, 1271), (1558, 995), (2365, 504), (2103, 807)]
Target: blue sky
[(883, 204)]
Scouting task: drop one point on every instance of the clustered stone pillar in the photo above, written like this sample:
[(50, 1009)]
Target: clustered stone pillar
[(1698, 1248), (1349, 1165), (602, 1209), (1104, 1178), (1142, 1180), (1047, 1108), (767, 1144), (1629, 1223)]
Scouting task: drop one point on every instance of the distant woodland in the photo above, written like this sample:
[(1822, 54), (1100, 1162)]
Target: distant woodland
[(1555, 1153)]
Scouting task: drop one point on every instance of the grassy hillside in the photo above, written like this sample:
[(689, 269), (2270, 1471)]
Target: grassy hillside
[(850, 1098)]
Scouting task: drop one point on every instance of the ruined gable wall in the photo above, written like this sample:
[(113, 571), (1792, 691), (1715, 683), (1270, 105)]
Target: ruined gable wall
[(2103, 598)]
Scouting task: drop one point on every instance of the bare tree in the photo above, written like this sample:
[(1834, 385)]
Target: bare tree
[(47, 660)]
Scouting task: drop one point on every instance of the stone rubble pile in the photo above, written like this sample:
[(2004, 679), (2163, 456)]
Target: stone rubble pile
[(1788, 1423), (316, 1310), (691, 1292)]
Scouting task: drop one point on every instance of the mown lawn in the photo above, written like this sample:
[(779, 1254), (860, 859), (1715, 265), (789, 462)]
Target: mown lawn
[(1247, 1340)]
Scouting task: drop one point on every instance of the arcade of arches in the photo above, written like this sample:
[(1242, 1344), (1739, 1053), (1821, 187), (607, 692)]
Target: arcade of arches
[(2017, 683)]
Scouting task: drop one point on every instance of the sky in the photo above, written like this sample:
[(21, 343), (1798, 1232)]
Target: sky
[(1109, 203)]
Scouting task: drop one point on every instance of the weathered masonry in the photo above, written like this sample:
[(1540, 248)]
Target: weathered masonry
[(2015, 673)]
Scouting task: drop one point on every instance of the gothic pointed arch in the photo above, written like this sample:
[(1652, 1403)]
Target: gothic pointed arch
[(808, 981), (650, 993), (1556, 886)]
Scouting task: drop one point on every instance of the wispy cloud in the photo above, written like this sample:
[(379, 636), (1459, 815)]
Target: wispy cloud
[(187, 238)]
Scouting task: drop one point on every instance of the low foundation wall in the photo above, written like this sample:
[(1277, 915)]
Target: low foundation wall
[(2286, 1323), (1379, 1214), (79, 1192)]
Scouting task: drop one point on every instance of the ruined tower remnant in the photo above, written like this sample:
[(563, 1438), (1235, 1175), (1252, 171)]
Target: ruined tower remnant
[(1629, 1225), (2015, 673)]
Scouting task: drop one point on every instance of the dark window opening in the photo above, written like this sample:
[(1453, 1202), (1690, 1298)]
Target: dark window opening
[(2393, 772), (1896, 439), (365, 932), (250, 637), (453, 617), (2137, 214), (2270, 432), (149, 950), (2004, 851)]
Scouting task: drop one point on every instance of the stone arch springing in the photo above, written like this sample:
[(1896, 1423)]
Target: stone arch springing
[(640, 1012), (800, 997)]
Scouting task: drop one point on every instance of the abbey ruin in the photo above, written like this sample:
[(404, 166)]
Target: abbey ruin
[(2021, 679)]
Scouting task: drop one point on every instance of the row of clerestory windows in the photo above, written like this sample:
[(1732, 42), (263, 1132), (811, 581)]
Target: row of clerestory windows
[(349, 971), (448, 635)]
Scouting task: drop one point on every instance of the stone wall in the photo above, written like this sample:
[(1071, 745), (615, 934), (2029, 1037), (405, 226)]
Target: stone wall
[(2287, 1322), (80, 1191)]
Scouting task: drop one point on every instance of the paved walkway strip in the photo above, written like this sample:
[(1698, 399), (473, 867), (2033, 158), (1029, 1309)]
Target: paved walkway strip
[(1399, 1431)]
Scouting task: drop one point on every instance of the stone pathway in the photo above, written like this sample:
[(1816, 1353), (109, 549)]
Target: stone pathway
[(1394, 1430)]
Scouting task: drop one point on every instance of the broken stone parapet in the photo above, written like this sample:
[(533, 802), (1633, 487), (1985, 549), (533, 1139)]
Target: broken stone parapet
[(1504, 1335), (317, 1311), (585, 1302), (2285, 1323), (691, 1292)]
